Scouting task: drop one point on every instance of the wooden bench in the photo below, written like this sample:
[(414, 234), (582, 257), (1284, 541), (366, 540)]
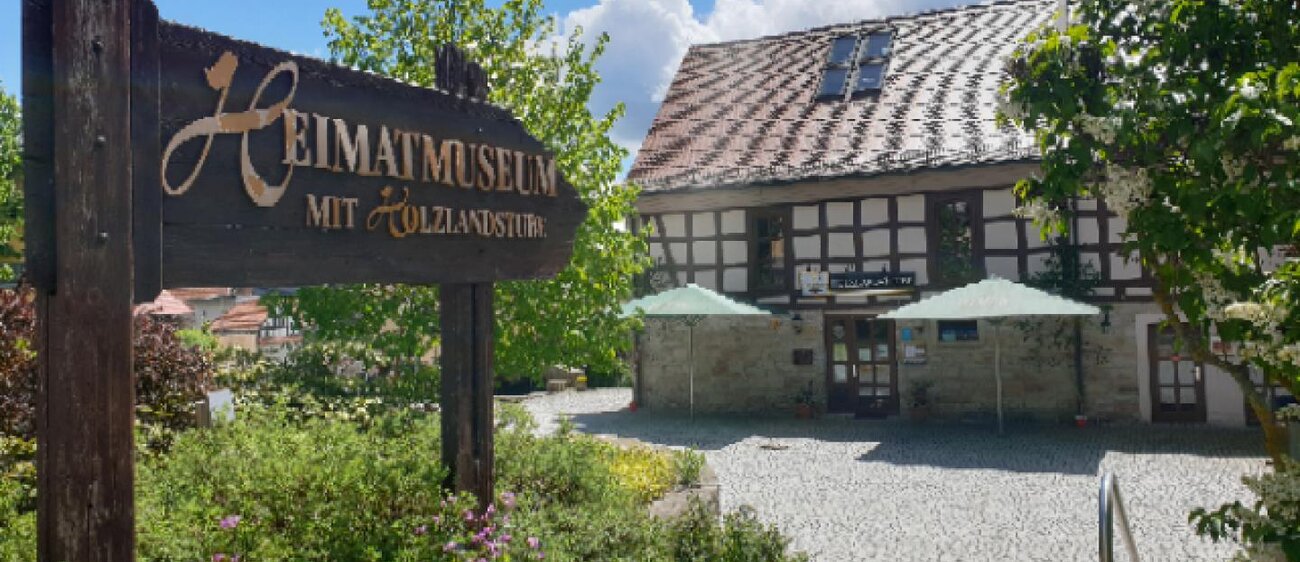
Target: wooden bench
[(556, 385)]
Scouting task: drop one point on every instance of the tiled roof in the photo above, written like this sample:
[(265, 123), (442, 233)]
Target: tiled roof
[(243, 317), (746, 112), (201, 293), (165, 305)]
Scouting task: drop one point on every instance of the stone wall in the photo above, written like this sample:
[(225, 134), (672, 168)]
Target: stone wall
[(742, 363), (1038, 373), (745, 364)]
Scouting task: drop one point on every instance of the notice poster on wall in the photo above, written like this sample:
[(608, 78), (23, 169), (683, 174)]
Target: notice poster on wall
[(815, 283)]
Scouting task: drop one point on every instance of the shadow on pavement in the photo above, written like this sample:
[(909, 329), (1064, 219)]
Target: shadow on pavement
[(1024, 448)]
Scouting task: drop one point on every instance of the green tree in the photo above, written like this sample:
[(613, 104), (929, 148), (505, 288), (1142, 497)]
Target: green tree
[(1181, 115), (546, 81), (11, 193)]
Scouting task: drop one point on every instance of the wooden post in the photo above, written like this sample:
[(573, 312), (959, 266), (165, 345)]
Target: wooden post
[(467, 376), (85, 407)]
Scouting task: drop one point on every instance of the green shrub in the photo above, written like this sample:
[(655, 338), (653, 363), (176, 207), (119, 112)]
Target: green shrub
[(688, 464), (740, 538), (170, 376), (200, 339), (17, 522)]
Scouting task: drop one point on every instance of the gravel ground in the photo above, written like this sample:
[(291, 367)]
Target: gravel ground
[(848, 489)]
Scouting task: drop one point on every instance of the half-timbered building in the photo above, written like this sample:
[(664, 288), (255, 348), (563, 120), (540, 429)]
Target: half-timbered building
[(833, 174)]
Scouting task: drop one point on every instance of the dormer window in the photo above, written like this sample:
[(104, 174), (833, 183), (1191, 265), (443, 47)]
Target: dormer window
[(856, 62)]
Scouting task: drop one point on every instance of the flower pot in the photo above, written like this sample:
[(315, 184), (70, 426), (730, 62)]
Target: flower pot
[(1081, 421), (631, 406), (919, 413), (803, 411)]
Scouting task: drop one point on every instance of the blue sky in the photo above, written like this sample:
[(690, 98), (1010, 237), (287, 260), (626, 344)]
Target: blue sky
[(632, 73)]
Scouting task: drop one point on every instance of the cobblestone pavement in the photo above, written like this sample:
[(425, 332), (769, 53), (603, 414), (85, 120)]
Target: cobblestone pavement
[(848, 489)]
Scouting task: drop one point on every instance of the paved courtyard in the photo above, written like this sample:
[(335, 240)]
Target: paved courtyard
[(890, 490)]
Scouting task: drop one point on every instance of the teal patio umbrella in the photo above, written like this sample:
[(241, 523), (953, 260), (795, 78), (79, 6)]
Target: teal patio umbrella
[(691, 304), (991, 299)]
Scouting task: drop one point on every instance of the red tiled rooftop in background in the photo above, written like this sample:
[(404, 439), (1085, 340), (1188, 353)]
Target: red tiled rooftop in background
[(165, 305), (745, 112), (243, 317)]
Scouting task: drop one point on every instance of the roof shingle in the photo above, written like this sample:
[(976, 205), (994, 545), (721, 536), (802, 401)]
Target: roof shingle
[(746, 112)]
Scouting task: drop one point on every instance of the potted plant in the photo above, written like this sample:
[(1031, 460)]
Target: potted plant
[(919, 394), (804, 402), (581, 382)]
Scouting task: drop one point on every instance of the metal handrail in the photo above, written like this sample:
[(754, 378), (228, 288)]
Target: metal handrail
[(1109, 502)]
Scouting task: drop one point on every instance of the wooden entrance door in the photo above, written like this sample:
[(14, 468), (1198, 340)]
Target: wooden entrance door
[(1177, 382), (861, 375)]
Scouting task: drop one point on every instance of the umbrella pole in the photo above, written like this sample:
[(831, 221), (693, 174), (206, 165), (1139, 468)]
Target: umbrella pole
[(997, 368), (690, 344)]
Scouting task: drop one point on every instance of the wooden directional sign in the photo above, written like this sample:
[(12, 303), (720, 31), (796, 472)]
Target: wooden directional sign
[(274, 169), (158, 155)]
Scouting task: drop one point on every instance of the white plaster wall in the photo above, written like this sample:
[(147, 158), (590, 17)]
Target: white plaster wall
[(1005, 267), (876, 265), (839, 214), (1037, 264), (734, 251), (911, 240), (733, 222), (999, 202), (916, 265), (807, 217), (677, 253), (1121, 268), (674, 225), (657, 251), (707, 278), (1089, 232), (808, 247), (1033, 237), (875, 243), (1117, 226), (705, 252), (702, 225), (875, 211), (911, 208), (840, 245), (1001, 235), (1087, 204), (735, 280)]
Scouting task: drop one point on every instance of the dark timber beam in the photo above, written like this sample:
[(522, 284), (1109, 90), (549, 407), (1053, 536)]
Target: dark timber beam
[(467, 377), (85, 403)]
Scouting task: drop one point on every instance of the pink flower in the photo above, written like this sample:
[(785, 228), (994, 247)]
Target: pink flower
[(230, 522), (449, 547), (534, 543), (422, 529), (218, 557)]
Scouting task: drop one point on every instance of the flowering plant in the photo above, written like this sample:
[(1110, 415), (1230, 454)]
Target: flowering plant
[(1289, 413), (1179, 116), (1267, 530)]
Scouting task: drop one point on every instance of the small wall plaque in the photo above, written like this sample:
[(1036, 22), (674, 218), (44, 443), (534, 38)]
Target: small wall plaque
[(803, 356)]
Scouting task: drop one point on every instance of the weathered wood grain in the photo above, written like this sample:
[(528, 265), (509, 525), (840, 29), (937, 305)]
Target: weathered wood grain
[(86, 400), (467, 382)]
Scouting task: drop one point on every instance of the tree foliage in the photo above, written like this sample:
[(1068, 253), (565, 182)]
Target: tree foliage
[(11, 193), (546, 81), (1181, 115)]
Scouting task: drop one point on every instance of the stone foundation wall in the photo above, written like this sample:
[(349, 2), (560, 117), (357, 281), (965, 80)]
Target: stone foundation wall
[(745, 364), (742, 363), (1038, 372)]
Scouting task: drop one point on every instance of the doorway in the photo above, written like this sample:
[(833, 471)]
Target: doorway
[(861, 370), (1177, 382)]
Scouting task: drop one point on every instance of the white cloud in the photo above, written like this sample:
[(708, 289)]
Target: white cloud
[(649, 37)]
